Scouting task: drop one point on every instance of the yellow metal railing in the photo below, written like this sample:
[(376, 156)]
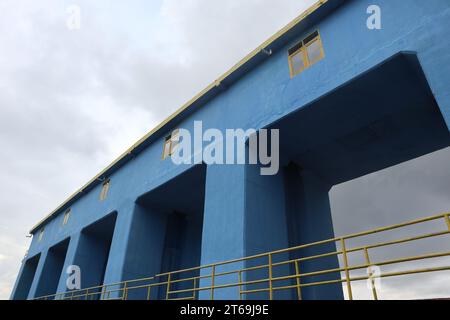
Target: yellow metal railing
[(205, 281)]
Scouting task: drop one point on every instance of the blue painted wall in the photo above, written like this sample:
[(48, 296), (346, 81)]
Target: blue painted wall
[(260, 98)]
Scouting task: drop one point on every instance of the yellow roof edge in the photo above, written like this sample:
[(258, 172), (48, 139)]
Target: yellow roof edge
[(246, 59)]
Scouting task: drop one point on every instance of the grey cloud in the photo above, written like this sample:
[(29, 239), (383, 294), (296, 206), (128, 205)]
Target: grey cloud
[(409, 191), (70, 102), (67, 98)]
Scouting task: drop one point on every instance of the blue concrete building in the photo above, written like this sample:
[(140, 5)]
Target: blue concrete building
[(348, 100)]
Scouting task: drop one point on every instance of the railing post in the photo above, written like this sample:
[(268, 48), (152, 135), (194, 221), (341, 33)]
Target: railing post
[(149, 292), (240, 284), (213, 274), (168, 286), (103, 294), (270, 278), (347, 273), (447, 220), (125, 291), (194, 292), (297, 278), (372, 281)]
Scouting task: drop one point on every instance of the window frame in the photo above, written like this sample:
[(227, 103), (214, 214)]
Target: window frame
[(309, 44), (166, 147), (66, 217), (305, 61), (303, 49), (105, 189), (170, 144), (41, 234)]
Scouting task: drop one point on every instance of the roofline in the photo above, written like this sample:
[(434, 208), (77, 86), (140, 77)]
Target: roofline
[(203, 94)]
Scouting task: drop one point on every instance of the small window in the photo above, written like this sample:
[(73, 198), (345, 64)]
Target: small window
[(41, 234), (314, 51), (171, 143), (105, 189), (167, 147), (305, 54), (66, 217)]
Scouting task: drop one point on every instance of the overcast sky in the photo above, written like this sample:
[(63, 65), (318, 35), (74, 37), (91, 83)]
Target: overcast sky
[(71, 101)]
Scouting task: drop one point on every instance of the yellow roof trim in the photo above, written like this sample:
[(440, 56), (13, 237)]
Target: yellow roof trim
[(250, 56)]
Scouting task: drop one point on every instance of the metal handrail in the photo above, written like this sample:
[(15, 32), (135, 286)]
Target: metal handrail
[(169, 280)]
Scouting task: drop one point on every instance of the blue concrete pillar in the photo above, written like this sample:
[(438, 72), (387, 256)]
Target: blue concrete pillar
[(140, 243), (118, 249), (309, 219), (223, 225), (266, 230), (70, 260)]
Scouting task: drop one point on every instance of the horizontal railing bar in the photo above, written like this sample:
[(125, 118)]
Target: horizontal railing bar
[(408, 259), (391, 274), (363, 266), (403, 273), (159, 284), (382, 263), (404, 240), (181, 299), (97, 287), (277, 264), (190, 279), (397, 226), (360, 234), (221, 286), (109, 292)]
